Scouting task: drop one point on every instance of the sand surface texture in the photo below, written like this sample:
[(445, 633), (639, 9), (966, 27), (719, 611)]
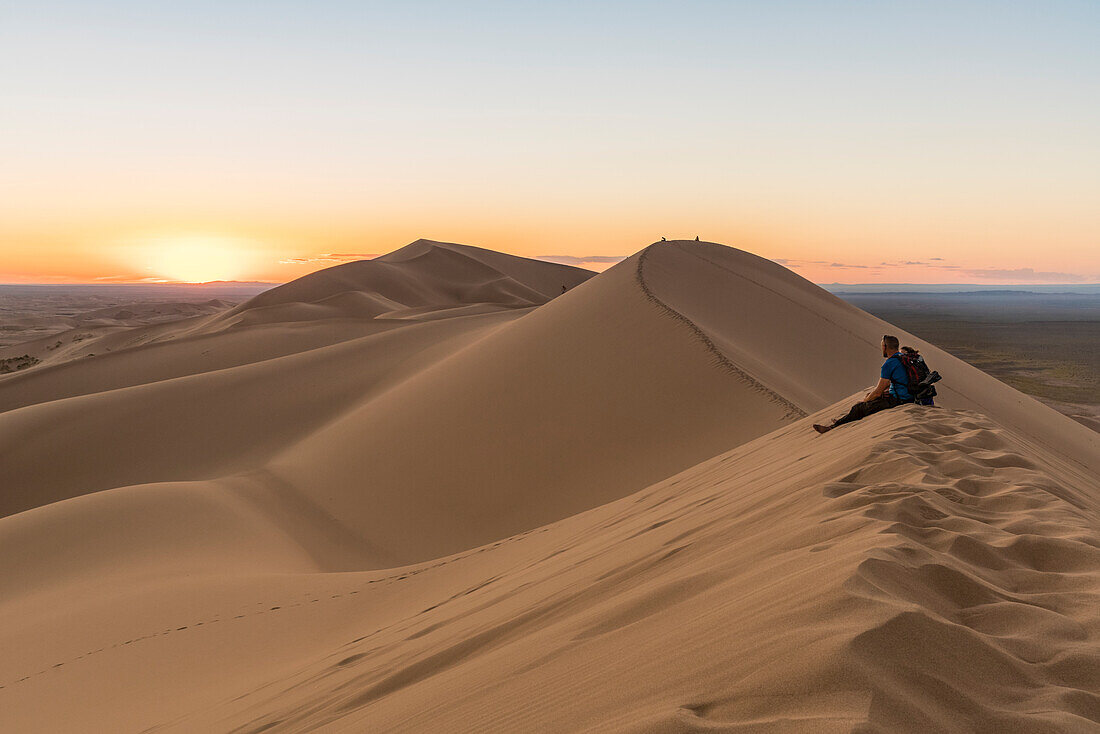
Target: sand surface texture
[(431, 492)]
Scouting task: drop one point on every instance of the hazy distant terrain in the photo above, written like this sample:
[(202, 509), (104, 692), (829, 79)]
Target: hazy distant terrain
[(1044, 344), (34, 311)]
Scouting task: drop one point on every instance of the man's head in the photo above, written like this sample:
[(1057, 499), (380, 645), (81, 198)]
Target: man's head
[(889, 345)]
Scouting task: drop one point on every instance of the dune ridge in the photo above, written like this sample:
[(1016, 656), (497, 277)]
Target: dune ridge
[(793, 411), (604, 510), (569, 348), (924, 553), (423, 275)]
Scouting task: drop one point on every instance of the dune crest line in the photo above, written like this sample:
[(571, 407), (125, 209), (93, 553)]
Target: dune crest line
[(794, 412)]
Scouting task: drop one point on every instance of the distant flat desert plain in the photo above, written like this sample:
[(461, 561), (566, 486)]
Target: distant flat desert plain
[(455, 490)]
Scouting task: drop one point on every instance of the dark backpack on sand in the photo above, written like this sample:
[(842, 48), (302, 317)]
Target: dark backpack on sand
[(921, 378)]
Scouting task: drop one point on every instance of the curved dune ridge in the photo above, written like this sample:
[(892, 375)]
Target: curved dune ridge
[(421, 277), (433, 492)]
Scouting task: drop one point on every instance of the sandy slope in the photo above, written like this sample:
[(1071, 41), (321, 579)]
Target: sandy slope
[(210, 527), (927, 574), (583, 400)]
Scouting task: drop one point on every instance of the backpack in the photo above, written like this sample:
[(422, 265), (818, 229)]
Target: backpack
[(921, 378)]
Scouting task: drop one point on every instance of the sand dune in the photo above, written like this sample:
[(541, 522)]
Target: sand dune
[(420, 282), (506, 452), (431, 492), (418, 277)]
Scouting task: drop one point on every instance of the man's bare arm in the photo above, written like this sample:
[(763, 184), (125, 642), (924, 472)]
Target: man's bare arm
[(880, 388)]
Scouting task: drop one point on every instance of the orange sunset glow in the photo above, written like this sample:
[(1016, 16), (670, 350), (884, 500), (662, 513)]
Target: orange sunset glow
[(929, 149)]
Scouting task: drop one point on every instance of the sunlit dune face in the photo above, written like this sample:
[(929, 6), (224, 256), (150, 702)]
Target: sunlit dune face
[(197, 259)]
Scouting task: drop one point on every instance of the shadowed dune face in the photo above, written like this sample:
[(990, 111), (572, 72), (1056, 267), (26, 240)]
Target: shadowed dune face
[(407, 494), (583, 400)]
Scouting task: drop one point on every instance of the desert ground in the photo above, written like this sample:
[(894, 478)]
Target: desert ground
[(1043, 344), (30, 313), (450, 489)]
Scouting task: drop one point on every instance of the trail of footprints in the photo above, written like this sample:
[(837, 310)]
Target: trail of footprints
[(995, 561), (987, 559), (303, 600)]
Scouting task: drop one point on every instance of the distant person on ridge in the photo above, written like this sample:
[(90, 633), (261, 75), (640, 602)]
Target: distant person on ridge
[(891, 391)]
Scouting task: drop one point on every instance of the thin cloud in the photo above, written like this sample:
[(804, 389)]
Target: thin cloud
[(578, 261), (803, 263), (792, 261), (1024, 274), (132, 279), (329, 257)]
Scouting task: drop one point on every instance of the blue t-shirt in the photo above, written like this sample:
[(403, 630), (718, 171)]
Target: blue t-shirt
[(894, 371)]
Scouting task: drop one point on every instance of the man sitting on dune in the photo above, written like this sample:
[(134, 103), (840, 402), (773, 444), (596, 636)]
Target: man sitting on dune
[(892, 388)]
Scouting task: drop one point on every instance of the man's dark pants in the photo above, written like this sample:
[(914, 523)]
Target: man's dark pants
[(862, 410)]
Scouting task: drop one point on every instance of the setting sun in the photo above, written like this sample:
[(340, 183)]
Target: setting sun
[(196, 258)]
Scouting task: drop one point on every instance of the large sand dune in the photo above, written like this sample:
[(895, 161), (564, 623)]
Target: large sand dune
[(432, 492)]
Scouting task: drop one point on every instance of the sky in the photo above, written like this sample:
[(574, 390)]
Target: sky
[(854, 142)]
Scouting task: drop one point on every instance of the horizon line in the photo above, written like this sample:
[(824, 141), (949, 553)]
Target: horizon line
[(101, 284)]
